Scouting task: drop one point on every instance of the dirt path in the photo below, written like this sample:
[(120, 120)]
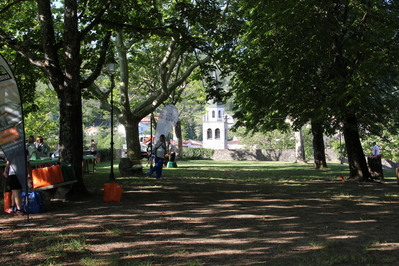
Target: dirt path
[(180, 222)]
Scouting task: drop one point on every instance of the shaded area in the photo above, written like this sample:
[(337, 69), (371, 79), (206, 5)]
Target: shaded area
[(194, 221)]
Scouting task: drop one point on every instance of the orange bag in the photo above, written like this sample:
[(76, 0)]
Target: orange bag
[(112, 192), (47, 176), (40, 177), (7, 200), (55, 174)]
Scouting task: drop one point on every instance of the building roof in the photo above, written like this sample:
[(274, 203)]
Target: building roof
[(216, 105)]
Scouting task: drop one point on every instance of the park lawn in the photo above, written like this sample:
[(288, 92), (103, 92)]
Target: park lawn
[(255, 171), (216, 213)]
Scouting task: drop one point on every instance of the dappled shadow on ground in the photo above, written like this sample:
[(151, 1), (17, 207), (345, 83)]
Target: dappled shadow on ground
[(219, 222)]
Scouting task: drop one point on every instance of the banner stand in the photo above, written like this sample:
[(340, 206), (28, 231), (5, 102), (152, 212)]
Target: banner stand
[(12, 132), (166, 121)]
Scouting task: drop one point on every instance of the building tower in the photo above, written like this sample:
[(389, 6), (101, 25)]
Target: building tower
[(215, 127)]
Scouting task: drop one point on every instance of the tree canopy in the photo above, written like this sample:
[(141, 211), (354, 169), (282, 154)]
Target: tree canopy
[(70, 41), (333, 62)]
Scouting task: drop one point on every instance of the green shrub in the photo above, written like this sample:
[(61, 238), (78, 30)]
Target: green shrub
[(339, 149), (105, 154)]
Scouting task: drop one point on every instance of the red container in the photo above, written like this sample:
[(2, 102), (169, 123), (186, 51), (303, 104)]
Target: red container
[(112, 192), (7, 200)]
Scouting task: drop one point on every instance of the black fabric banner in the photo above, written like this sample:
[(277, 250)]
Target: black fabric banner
[(12, 137)]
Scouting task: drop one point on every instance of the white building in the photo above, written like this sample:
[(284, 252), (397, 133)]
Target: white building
[(215, 127), (192, 144)]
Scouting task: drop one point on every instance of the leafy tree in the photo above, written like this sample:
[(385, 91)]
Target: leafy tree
[(151, 89), (190, 104), (190, 130), (156, 63), (275, 139), (44, 121), (68, 42), (318, 67), (56, 39)]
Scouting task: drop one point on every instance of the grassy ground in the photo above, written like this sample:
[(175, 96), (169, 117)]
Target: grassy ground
[(239, 170), (216, 213)]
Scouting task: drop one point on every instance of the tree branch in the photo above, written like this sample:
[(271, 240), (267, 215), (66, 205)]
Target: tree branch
[(20, 49), (164, 65), (100, 62), (97, 20), (12, 4)]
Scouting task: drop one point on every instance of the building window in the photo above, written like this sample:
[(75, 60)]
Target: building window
[(220, 114), (209, 133), (217, 133)]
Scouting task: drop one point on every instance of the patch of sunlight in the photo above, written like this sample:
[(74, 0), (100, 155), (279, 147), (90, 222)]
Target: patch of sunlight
[(361, 221), (278, 218), (384, 246), (368, 204), (343, 237)]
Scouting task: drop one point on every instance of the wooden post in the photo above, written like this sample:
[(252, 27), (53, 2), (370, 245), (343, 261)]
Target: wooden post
[(397, 175)]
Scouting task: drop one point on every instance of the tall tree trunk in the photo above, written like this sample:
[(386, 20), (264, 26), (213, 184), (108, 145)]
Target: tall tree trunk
[(318, 146), (357, 162), (125, 116), (71, 138), (132, 140), (299, 147), (71, 129)]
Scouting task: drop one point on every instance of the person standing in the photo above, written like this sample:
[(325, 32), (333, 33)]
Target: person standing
[(376, 149), (150, 154), (172, 152), (93, 147), (15, 185), (159, 151), (42, 149), (31, 147)]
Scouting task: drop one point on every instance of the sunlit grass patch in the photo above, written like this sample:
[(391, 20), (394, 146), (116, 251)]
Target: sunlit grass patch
[(115, 231)]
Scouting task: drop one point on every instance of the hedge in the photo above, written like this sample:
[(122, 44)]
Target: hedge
[(197, 153)]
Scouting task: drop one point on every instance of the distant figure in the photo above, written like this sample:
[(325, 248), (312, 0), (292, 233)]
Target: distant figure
[(31, 147), (375, 165), (159, 152), (42, 149), (172, 152), (93, 147), (150, 156), (376, 149)]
